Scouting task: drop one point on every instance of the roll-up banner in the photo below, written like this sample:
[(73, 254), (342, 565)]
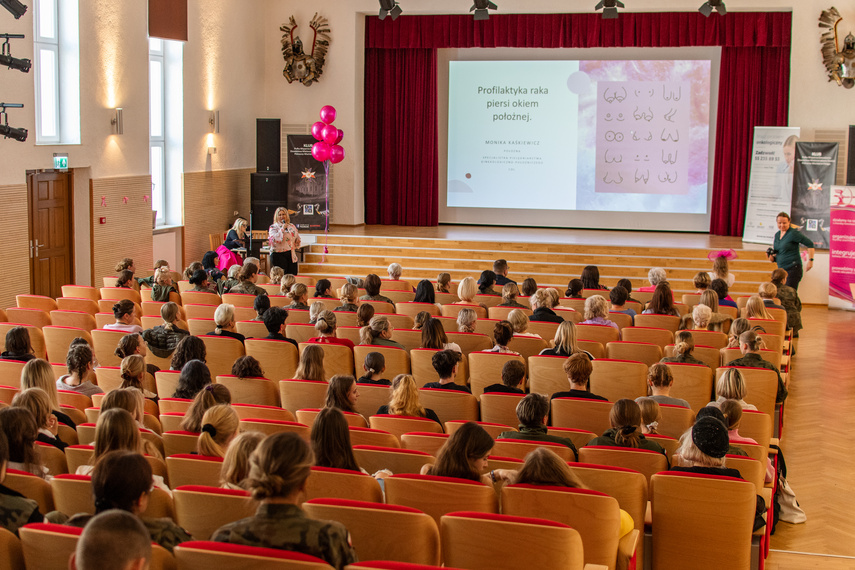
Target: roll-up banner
[(306, 185), (770, 187), (841, 278), (816, 173)]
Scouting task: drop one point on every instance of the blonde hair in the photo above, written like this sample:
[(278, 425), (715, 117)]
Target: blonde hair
[(442, 281), (395, 271), (116, 430), (208, 397), (132, 369), (702, 280), (38, 402), (755, 308), (554, 296), (565, 338), (731, 385), (596, 306), (238, 225), (311, 365), (376, 327), (650, 414), (710, 299), (684, 343), (276, 275), (235, 468), (297, 292), (701, 316), (279, 466), (518, 320), (315, 309), (540, 298), (467, 289), (466, 320), (286, 283), (38, 373), (224, 315), (276, 215), (690, 453), (128, 399), (348, 293), (219, 424), (720, 268), (325, 323), (510, 291), (767, 290), (405, 397), (233, 271), (732, 411), (162, 275), (169, 313)]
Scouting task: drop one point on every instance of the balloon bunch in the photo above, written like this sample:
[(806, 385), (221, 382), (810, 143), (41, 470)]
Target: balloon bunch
[(328, 137)]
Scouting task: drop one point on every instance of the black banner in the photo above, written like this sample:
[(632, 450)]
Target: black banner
[(307, 201), (816, 173)]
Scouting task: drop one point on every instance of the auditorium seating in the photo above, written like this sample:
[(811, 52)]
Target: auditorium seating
[(437, 496), (342, 484), (204, 555), (200, 509), (396, 460), (399, 425), (645, 461)]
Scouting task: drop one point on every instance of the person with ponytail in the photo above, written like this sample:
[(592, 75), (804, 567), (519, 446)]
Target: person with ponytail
[(162, 287), (79, 364), (163, 339), (659, 382), (378, 333), (749, 346), (651, 415), (486, 282), (625, 419), (684, 344), (133, 373), (374, 366), (211, 395), (247, 276), (133, 343), (37, 402), (224, 316), (311, 366), (219, 427), (298, 294), (38, 373), (235, 467), (123, 311), (348, 299), (278, 471), (326, 325)]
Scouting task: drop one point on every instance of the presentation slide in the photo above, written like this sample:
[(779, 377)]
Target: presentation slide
[(609, 136)]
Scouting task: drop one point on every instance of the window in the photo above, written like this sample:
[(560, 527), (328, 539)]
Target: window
[(57, 71), (166, 128)]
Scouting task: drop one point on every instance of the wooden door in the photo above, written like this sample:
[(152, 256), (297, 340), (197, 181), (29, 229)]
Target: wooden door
[(51, 232)]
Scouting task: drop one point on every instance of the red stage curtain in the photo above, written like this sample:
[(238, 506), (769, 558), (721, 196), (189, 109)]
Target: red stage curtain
[(754, 91)]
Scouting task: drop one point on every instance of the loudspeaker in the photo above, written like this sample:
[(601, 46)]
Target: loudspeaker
[(269, 187), (268, 145), (262, 215), (850, 163)]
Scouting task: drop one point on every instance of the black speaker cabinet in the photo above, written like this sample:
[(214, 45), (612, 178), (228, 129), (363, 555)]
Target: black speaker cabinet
[(268, 145), (262, 215), (272, 187)]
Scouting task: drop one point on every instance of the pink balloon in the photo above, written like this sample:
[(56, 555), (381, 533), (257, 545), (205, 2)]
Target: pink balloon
[(329, 134), (328, 114), (336, 154), (321, 151), (317, 131), (339, 137)]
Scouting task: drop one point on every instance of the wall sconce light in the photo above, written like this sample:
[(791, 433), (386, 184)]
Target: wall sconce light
[(214, 121), (119, 121), (210, 143)]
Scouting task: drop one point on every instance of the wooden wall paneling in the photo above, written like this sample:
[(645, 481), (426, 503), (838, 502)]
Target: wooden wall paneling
[(15, 277), (210, 202)]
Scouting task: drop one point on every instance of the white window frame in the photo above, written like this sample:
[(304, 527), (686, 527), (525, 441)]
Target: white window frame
[(168, 101), (158, 187), (46, 41)]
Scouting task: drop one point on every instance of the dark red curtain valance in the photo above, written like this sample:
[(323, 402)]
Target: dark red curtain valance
[(401, 181)]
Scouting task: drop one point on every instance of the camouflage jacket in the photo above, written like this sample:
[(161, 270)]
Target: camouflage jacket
[(163, 531), (793, 305), (17, 510), (287, 527), (248, 288)]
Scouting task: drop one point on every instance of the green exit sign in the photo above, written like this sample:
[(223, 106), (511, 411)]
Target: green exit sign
[(60, 162)]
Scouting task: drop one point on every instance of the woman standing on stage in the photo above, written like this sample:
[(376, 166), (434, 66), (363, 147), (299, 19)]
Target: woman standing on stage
[(786, 250), (284, 241)]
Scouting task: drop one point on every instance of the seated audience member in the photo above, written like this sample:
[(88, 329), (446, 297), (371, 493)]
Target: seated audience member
[(718, 321), (565, 342), (405, 400), (79, 364), (247, 367), (261, 305), (625, 419), (123, 311), (298, 294), (701, 281), (731, 386), (18, 345), (425, 293), (519, 322), (541, 306), (163, 339), (732, 412), (464, 456), (133, 343), (311, 366), (189, 348), (500, 268), (789, 297), (755, 308), (326, 326), (433, 336), (714, 412), (131, 400), (364, 314), (235, 469), (372, 290), (659, 382), (21, 431), (749, 346), (528, 287), (209, 264), (315, 310), (133, 373), (578, 369), (655, 276), (219, 427), (703, 449), (503, 334), (38, 373), (276, 275), (662, 302), (533, 414), (720, 288), (486, 282), (378, 333), (684, 344), (738, 327), (231, 280), (374, 366), (162, 286), (323, 289), (286, 283), (38, 403), (395, 270), (510, 292), (627, 284), (591, 278), (651, 415), (191, 270), (279, 468), (113, 539), (597, 312), (149, 281), (247, 278), (466, 320), (721, 270), (331, 443), (208, 397), (199, 281), (194, 377), (466, 291), (224, 317), (123, 480), (348, 299), (342, 393), (768, 292), (443, 282), (445, 362), (618, 297), (701, 315), (420, 319), (15, 509), (513, 379), (274, 322), (574, 289)]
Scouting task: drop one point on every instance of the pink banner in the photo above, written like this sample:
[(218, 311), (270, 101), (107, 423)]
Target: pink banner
[(841, 279)]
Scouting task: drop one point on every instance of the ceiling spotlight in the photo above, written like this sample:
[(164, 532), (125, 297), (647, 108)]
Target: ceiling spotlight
[(708, 7), (6, 56), (16, 8), (6, 131), (609, 8), (480, 8), (389, 8)]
